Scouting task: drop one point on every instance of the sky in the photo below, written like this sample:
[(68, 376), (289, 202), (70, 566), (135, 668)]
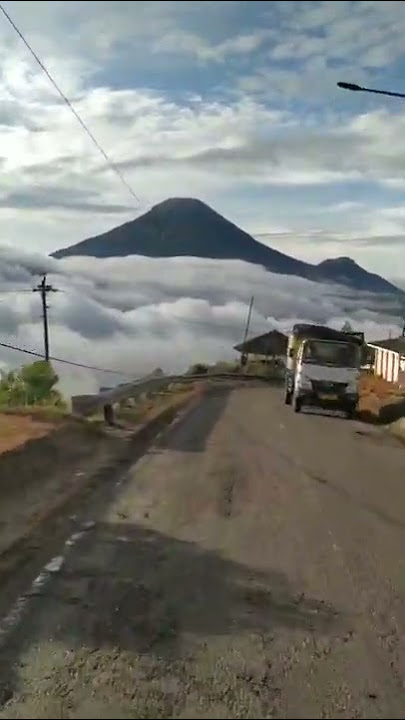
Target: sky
[(232, 102), (235, 103)]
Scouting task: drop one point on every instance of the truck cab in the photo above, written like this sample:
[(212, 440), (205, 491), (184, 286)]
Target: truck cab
[(327, 375), (323, 369)]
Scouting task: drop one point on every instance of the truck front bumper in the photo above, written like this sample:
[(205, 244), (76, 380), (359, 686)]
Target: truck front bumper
[(346, 401)]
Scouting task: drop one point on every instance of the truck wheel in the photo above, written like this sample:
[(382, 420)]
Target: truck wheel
[(351, 413), (296, 403)]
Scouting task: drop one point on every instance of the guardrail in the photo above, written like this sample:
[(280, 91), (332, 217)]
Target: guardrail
[(85, 405)]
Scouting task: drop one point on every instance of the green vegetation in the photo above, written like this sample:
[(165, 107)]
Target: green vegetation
[(197, 369), (31, 385), (260, 367), (225, 367)]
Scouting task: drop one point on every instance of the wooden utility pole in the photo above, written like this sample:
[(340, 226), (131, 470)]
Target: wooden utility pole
[(44, 289), (243, 355)]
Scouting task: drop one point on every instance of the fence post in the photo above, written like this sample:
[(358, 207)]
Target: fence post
[(108, 414)]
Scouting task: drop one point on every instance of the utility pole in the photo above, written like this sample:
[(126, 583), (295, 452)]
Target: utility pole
[(243, 356), (248, 319), (44, 289)]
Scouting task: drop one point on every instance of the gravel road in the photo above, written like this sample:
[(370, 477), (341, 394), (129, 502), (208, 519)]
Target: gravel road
[(250, 565)]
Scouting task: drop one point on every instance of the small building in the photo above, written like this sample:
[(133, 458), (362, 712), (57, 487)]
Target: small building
[(389, 359), (271, 344)]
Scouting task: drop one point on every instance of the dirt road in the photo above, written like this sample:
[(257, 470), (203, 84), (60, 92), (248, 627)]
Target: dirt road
[(251, 565)]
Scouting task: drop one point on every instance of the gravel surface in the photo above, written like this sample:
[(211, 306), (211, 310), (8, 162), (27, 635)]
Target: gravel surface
[(250, 565)]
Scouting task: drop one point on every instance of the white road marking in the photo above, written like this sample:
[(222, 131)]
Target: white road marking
[(13, 618), (74, 538), (55, 564), (89, 525)]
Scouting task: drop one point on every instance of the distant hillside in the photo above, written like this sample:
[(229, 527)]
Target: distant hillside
[(189, 227)]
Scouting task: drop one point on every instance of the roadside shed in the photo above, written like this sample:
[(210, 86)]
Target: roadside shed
[(389, 359), (271, 344)]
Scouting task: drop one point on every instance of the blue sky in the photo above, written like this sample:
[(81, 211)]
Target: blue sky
[(232, 102)]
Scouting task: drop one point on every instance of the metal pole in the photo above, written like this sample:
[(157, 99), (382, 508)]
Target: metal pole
[(248, 319), (243, 355)]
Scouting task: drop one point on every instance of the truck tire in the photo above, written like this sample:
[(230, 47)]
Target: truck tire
[(296, 404), (350, 413)]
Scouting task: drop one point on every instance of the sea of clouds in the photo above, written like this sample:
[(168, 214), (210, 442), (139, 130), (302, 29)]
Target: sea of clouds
[(135, 314)]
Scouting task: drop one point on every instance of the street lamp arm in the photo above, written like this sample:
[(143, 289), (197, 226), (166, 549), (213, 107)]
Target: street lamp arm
[(357, 88), (349, 86)]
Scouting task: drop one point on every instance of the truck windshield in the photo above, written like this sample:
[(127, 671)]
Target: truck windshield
[(340, 354)]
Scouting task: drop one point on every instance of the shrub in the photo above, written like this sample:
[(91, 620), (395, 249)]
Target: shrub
[(31, 385), (198, 369)]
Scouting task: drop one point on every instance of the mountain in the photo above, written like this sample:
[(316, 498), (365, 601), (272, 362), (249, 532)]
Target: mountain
[(346, 271), (189, 227)]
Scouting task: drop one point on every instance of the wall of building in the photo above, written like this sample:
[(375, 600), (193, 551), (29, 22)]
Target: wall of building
[(389, 365)]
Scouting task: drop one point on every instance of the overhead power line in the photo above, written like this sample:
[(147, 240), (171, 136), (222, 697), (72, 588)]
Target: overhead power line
[(63, 360), (66, 100)]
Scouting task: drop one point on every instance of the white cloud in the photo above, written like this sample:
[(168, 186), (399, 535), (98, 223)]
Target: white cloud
[(134, 314), (370, 32), (369, 147), (180, 42), (345, 206)]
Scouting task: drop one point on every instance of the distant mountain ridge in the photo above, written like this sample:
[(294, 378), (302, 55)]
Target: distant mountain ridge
[(188, 227)]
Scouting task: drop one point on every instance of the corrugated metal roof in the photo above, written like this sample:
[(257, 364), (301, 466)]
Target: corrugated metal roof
[(395, 344), (271, 343)]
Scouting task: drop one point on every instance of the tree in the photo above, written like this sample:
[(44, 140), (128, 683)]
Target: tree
[(197, 369), (39, 379), (347, 327), (12, 389), (32, 385)]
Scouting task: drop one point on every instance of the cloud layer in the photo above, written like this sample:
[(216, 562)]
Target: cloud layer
[(135, 314)]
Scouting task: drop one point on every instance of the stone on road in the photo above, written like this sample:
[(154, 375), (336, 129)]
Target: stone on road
[(251, 565)]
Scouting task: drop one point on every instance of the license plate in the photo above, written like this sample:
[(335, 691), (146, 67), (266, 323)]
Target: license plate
[(328, 396)]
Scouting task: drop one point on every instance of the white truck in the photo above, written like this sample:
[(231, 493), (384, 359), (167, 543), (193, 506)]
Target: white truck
[(323, 368)]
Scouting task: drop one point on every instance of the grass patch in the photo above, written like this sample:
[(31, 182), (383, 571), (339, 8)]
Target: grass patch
[(40, 413), (380, 401)]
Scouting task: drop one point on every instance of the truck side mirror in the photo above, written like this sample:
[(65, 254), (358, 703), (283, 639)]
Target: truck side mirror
[(291, 353)]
